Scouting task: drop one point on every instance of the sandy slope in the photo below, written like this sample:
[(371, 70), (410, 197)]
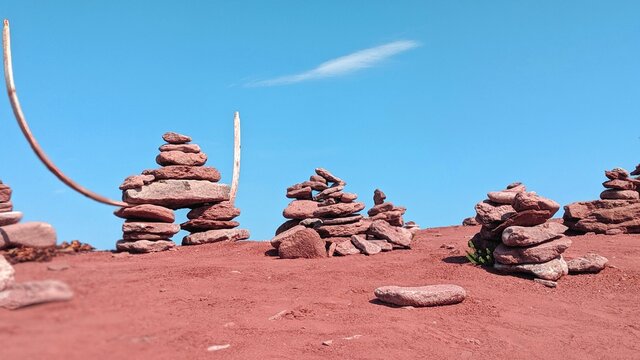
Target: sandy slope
[(174, 305)]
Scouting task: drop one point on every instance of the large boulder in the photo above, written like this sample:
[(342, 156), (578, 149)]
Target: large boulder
[(177, 194), (601, 216), (431, 295), (302, 243)]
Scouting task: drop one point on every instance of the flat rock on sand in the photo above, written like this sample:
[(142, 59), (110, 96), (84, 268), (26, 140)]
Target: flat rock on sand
[(144, 246), (6, 273), (431, 295), (146, 212), (213, 236), (302, 243), (30, 234), (532, 254), (590, 263), (34, 292), (176, 194), (551, 270)]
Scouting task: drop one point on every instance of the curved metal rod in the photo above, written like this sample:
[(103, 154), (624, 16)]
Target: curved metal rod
[(236, 158), (22, 122)]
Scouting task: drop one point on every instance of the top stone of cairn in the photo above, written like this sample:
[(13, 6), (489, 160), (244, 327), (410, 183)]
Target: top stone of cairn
[(175, 138)]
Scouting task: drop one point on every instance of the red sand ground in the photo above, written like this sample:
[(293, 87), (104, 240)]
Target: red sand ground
[(174, 305)]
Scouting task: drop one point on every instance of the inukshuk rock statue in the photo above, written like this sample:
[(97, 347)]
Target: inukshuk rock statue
[(325, 221), (16, 234), (182, 182), (618, 211), (516, 228)]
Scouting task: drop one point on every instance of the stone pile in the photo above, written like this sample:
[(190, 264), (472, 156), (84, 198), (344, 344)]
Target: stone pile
[(182, 181), (516, 227), (325, 220), (617, 211), (14, 234)]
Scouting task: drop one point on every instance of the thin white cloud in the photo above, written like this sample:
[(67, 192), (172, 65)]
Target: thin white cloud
[(345, 64)]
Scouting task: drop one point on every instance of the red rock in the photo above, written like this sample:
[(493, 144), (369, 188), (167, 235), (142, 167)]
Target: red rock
[(502, 197), (524, 218), (302, 243), (359, 227), (488, 212), (305, 193), (378, 197), (636, 171), (600, 216), (6, 206), (10, 218), (393, 217), (366, 247), (395, 235), (276, 240), (550, 270), (315, 185), (181, 172), (531, 254), (6, 274), (330, 193), (380, 208), (136, 181), (432, 295), (342, 220), (213, 236), (133, 236), (177, 194), (338, 239), (470, 221), (620, 184), (175, 138), (167, 158), (35, 292), (346, 248), (527, 236), (300, 209), (331, 250), (348, 197), (5, 193), (144, 246), (317, 178), (29, 234), (620, 195), (221, 211), (159, 228), (590, 263), (531, 201), (188, 148), (616, 173), (287, 225), (146, 212), (383, 244), (516, 186), (338, 210), (329, 176), (197, 225)]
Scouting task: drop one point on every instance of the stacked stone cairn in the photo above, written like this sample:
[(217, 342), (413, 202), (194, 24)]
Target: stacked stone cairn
[(325, 220), (182, 181), (516, 227), (617, 211), (14, 234)]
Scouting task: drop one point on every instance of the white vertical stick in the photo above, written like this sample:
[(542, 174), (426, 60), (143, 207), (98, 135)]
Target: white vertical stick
[(236, 158)]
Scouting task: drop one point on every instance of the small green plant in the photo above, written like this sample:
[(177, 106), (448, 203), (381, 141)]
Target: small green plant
[(483, 257)]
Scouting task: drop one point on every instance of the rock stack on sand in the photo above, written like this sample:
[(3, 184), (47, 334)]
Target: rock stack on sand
[(388, 229), (516, 227), (325, 220), (182, 181), (617, 211), (15, 234)]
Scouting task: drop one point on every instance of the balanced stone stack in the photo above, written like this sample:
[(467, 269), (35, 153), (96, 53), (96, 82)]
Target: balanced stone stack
[(617, 212), (324, 221), (182, 181), (387, 225), (516, 228), (15, 234)]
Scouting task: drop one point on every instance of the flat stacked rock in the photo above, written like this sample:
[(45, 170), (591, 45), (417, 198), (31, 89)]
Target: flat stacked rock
[(183, 181), (388, 228), (14, 234), (617, 211), (516, 228)]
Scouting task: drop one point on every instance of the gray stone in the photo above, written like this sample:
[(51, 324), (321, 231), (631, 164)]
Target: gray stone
[(431, 295), (177, 194)]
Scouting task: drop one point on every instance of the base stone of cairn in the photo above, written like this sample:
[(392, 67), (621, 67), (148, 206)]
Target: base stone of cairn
[(516, 229), (183, 181), (325, 221), (617, 211), (15, 234)]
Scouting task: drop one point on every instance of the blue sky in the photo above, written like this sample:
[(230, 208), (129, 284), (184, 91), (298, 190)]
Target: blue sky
[(473, 96)]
